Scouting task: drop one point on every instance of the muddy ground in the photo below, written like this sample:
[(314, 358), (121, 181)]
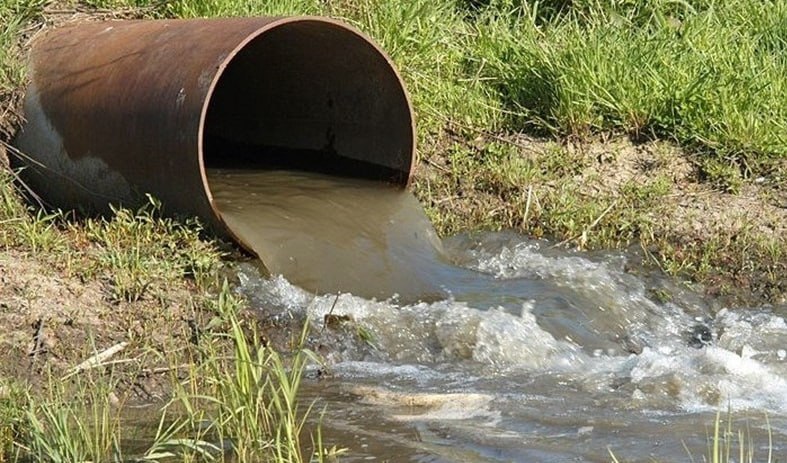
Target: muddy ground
[(52, 323)]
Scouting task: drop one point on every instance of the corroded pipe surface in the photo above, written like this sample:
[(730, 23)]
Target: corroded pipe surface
[(116, 110)]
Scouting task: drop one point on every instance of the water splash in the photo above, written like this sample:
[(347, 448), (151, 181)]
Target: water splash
[(537, 350)]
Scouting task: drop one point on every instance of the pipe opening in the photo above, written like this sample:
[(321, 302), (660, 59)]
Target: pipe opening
[(310, 95)]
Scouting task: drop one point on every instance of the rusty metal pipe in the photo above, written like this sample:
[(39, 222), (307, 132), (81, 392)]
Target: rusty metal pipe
[(116, 110)]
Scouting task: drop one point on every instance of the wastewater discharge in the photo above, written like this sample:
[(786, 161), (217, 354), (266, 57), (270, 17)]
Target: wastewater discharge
[(498, 347), (330, 234)]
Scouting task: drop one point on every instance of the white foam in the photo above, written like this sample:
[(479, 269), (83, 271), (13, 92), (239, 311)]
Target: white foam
[(506, 341), (449, 331), (709, 378), (744, 367), (611, 300)]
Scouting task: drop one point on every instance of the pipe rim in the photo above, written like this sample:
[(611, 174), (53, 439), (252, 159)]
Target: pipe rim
[(279, 22)]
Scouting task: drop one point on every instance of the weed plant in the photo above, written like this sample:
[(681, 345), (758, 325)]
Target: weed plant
[(59, 429), (248, 401), (238, 401)]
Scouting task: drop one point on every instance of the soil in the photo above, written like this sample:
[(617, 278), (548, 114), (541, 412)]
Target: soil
[(52, 323), (693, 208)]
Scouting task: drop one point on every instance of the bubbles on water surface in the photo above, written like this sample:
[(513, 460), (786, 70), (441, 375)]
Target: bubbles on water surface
[(739, 365)]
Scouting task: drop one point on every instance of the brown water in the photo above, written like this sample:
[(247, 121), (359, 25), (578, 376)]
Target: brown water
[(333, 235), (330, 234), (499, 348)]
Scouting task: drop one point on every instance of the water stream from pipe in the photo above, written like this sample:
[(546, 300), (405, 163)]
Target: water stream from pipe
[(494, 347)]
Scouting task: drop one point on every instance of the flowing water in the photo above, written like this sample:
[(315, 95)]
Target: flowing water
[(494, 347)]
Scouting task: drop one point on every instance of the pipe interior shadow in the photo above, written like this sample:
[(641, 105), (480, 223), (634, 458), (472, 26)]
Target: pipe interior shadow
[(313, 97)]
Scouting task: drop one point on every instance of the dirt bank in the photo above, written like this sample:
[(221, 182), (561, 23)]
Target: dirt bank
[(53, 322)]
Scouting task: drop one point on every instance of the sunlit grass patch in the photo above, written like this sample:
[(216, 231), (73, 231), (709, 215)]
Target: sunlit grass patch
[(711, 76), (24, 227), (134, 251), (141, 250), (16, 16)]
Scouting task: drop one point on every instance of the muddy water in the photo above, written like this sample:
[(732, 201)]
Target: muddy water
[(523, 352), (331, 234)]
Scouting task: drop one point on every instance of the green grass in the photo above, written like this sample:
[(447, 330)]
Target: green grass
[(708, 74), (249, 399), (24, 227), (61, 428), (15, 15), (142, 251), (136, 253)]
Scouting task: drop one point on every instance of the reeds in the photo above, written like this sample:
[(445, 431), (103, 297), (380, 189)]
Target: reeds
[(248, 401), (239, 400), (728, 445)]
